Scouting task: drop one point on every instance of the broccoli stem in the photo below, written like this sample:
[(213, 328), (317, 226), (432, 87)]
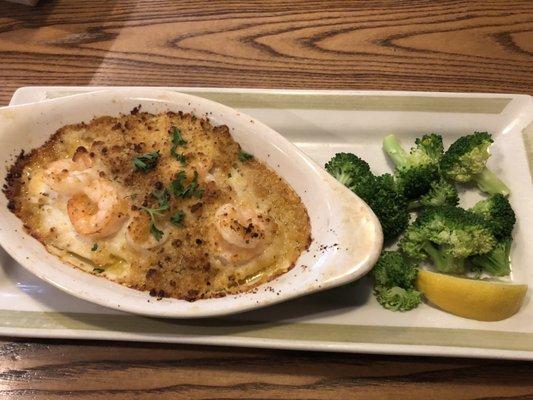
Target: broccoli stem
[(496, 262), (413, 205), (344, 178), (488, 182), (394, 150), (444, 263)]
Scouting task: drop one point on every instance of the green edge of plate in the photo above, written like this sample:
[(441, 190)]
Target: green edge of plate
[(337, 333), (343, 102)]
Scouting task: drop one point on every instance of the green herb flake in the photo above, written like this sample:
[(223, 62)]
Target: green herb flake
[(95, 247), (177, 218), (162, 197), (146, 161), (180, 189), (177, 140), (98, 270), (182, 158), (244, 156), (156, 233)]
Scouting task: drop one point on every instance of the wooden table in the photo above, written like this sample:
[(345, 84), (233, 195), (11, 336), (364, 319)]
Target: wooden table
[(481, 46)]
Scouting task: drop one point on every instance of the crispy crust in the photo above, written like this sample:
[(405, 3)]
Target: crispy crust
[(184, 266)]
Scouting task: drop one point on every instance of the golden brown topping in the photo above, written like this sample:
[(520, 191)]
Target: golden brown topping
[(206, 254)]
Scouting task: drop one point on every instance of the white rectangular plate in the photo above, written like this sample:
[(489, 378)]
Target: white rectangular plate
[(347, 318)]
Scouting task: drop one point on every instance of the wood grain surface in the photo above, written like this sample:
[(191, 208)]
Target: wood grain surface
[(479, 46), (402, 45), (92, 370)]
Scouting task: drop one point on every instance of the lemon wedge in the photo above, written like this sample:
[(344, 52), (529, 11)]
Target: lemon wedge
[(470, 298)]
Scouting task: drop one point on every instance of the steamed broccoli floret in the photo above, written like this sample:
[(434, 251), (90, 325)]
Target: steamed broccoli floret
[(348, 169), (394, 279), (416, 170), (448, 235), (398, 299), (379, 192), (466, 160), (500, 216), (389, 206), (497, 261), (392, 269), (498, 213), (441, 193)]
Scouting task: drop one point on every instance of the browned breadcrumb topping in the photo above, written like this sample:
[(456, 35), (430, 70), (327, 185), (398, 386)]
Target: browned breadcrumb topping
[(186, 262)]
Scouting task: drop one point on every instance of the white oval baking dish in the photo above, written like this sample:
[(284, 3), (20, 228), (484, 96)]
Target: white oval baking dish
[(347, 236)]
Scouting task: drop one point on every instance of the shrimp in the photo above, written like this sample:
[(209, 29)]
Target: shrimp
[(97, 210), (138, 233), (241, 235), (67, 176)]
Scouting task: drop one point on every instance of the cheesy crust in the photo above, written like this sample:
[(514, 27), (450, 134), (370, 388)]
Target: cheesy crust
[(206, 191)]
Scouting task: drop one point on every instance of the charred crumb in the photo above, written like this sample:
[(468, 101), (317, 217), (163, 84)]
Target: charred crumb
[(196, 207), (80, 151), (135, 110), (192, 295), (151, 273), (324, 247), (13, 183)]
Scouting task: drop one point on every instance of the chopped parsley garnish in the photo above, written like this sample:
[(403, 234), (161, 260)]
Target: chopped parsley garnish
[(185, 191), (162, 197), (179, 156), (177, 140), (98, 270), (95, 247), (146, 161), (155, 231), (244, 156), (177, 218)]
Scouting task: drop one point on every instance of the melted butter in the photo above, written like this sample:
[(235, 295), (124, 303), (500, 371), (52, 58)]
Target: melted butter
[(254, 278), (116, 267)]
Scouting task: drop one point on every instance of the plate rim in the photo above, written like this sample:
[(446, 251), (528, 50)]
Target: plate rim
[(411, 349)]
